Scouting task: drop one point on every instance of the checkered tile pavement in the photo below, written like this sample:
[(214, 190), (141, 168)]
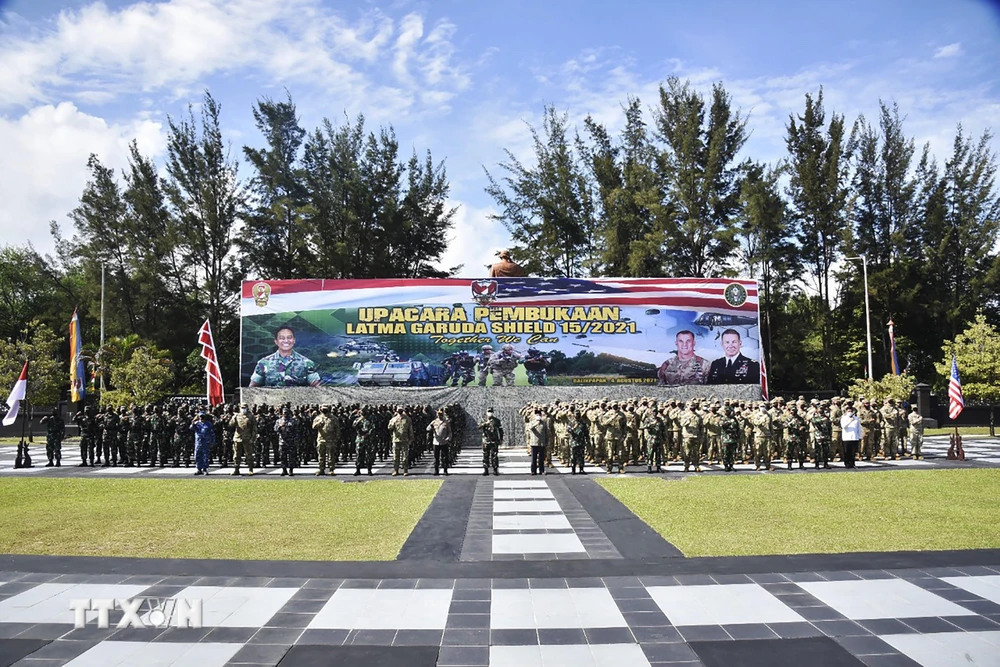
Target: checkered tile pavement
[(932, 617), (513, 461)]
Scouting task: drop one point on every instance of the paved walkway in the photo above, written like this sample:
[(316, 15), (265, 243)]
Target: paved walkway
[(521, 572)]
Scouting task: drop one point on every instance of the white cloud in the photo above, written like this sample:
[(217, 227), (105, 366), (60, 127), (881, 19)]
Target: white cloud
[(95, 52), (44, 170), (949, 51), (475, 239)]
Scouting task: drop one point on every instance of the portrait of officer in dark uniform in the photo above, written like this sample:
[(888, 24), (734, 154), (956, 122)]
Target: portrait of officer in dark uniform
[(734, 367)]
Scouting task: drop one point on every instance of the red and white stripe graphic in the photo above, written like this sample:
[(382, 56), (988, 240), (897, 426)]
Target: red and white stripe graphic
[(16, 396), (215, 393)]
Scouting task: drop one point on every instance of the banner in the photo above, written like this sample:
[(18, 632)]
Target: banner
[(488, 332)]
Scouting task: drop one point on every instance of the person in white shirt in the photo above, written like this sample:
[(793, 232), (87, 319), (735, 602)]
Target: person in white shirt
[(851, 434)]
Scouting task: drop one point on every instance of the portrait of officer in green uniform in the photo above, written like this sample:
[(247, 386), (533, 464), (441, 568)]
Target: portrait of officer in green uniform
[(286, 367)]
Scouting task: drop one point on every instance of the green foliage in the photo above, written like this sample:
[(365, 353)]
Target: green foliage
[(47, 377), (977, 351), (144, 376), (898, 387)]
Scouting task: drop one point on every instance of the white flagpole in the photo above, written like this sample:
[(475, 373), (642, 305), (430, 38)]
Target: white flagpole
[(98, 355)]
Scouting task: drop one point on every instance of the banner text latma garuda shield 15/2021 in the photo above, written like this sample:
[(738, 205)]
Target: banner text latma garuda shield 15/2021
[(557, 331)]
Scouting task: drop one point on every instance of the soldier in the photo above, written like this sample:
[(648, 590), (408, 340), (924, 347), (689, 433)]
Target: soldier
[(401, 429), (502, 365), (483, 363), (890, 420), (536, 434), (364, 429), (691, 434), (916, 433), (86, 420), (110, 440), (576, 429), (55, 429), (594, 415), (440, 434), (148, 451), (633, 439), (160, 442), (204, 438), (614, 425), (730, 436), (492, 439), (243, 426), (686, 367), (287, 431), (133, 445), (836, 438), (822, 427), (229, 436), (762, 435), (795, 441), (534, 364), (868, 427), (652, 431), (676, 449), (712, 424)]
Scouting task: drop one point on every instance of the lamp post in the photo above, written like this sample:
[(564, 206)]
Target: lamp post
[(868, 317)]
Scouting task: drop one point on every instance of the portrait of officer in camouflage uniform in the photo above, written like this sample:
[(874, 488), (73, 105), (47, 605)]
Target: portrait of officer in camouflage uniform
[(285, 367), (686, 367)]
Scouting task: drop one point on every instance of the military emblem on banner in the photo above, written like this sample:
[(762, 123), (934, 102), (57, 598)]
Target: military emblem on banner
[(484, 291), (261, 293), (735, 295)]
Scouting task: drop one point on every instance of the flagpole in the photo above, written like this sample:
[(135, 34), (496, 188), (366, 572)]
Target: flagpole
[(101, 348)]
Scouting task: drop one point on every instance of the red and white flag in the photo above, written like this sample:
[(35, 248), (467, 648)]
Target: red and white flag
[(215, 396), (763, 377), (16, 396)]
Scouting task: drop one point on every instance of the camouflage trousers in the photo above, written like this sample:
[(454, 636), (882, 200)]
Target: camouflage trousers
[(891, 444), (762, 452), (483, 374), (400, 456), (366, 455), (692, 452), (491, 455), (242, 451), (916, 444), (503, 378), (538, 377), (53, 448), (654, 451), (288, 452), (613, 451), (632, 450), (729, 448), (795, 450), (821, 451), (596, 446), (837, 443), (577, 455)]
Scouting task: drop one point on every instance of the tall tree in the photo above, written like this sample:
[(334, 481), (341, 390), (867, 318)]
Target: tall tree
[(818, 187), (701, 175), (547, 208), (205, 195), (275, 239)]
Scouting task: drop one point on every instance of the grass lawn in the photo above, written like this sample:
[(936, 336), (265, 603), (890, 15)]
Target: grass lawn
[(743, 515), (231, 518)]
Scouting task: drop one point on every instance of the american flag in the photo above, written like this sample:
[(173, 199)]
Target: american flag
[(894, 359), (955, 402), (215, 394)]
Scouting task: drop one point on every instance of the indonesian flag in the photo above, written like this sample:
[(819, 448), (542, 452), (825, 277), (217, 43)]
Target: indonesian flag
[(763, 377), (211, 365), (16, 396)]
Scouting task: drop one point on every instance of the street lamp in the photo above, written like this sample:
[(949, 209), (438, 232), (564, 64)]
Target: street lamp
[(868, 317)]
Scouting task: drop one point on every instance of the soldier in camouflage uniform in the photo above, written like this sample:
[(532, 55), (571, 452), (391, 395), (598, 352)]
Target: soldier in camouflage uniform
[(492, 439), (821, 430), (440, 434), (364, 428), (836, 433), (712, 425), (243, 426), (534, 364), (869, 425), (55, 429), (160, 427), (652, 431), (576, 429), (483, 363), (763, 437), (134, 443), (890, 420), (401, 430), (731, 431), (613, 422), (110, 424), (916, 423), (327, 429), (686, 367), (86, 422), (287, 430), (286, 367), (691, 436), (796, 439), (502, 366)]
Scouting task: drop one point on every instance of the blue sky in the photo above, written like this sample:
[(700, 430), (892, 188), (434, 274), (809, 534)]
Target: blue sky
[(460, 78)]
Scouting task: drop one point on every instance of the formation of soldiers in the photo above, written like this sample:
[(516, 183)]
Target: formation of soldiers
[(463, 369), (657, 432), (260, 436)]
